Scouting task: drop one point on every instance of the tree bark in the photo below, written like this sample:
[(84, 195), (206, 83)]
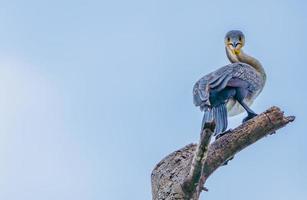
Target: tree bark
[(183, 173), (191, 181)]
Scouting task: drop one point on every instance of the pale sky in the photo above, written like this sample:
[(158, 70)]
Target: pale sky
[(93, 94)]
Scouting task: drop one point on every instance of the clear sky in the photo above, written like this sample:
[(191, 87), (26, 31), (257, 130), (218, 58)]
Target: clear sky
[(94, 93)]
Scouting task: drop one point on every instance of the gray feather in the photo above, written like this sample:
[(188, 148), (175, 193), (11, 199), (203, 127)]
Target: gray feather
[(208, 116), (230, 74), (224, 83), (220, 118), (218, 81)]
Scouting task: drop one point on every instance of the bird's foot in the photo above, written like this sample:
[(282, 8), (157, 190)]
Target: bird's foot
[(249, 116), (223, 133), (226, 162)]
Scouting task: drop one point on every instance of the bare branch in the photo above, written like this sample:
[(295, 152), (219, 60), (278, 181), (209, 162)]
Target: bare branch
[(177, 168), (244, 135), (192, 180)]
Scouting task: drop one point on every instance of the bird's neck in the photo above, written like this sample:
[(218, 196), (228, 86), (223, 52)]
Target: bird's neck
[(244, 58)]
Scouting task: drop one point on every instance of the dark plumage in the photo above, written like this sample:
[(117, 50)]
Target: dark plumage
[(237, 82)]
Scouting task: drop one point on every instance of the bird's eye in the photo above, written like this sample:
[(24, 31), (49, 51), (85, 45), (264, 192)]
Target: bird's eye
[(240, 38), (228, 39)]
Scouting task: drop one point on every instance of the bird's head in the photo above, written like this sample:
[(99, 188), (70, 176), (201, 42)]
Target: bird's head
[(234, 41)]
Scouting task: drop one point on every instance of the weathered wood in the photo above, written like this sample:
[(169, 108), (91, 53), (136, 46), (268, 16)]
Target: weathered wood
[(192, 180), (170, 174)]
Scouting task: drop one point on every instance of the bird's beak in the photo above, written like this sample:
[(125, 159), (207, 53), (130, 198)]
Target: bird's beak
[(235, 47), (236, 51)]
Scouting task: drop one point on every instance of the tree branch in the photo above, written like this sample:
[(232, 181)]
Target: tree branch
[(192, 180), (178, 174), (244, 135)]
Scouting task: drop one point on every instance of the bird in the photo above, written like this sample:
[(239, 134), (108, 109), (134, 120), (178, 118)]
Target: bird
[(230, 89)]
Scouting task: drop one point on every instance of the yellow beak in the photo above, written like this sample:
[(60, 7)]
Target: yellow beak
[(236, 51)]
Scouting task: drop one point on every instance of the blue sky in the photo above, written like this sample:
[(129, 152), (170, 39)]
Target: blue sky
[(94, 93)]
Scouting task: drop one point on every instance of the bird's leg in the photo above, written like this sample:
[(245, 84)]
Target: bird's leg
[(250, 113)]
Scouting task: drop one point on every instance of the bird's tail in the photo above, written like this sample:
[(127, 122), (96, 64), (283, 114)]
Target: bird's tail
[(218, 114)]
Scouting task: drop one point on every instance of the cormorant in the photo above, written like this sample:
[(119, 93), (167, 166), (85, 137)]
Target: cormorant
[(232, 88)]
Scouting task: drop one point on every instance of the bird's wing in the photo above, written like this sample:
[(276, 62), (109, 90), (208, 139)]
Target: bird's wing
[(214, 80), (247, 74), (220, 78)]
